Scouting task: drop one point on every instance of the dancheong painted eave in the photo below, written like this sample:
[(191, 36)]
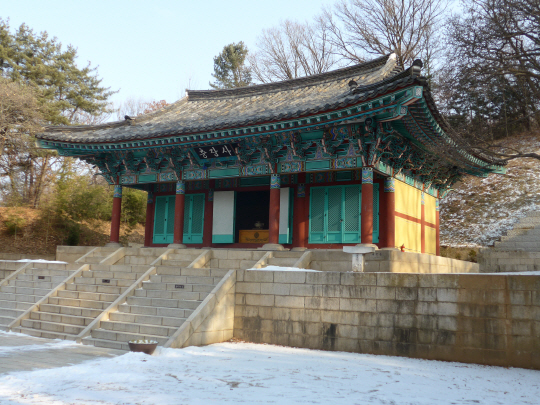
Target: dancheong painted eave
[(382, 91)]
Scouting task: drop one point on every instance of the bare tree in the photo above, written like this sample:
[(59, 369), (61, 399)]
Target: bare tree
[(132, 107), (501, 38), (490, 85), (292, 50), (360, 28)]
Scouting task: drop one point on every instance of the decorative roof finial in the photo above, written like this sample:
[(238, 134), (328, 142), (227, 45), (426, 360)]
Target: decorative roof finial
[(416, 67)]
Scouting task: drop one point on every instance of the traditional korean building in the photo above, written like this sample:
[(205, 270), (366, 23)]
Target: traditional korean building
[(356, 155)]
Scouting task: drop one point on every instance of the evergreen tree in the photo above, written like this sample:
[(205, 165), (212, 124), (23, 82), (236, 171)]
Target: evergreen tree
[(230, 70), (64, 89)]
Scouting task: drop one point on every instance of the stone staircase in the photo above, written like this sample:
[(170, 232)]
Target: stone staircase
[(183, 259), (525, 236), (159, 308), (29, 287), (154, 309), (67, 314), (284, 258), (517, 251), (98, 255)]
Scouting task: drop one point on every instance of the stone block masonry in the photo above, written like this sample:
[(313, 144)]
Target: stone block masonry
[(471, 318)]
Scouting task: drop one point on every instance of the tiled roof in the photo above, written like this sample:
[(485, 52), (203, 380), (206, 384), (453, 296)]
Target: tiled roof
[(210, 110)]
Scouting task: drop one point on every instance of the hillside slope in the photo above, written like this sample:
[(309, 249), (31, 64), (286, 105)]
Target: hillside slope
[(38, 235), (479, 211)]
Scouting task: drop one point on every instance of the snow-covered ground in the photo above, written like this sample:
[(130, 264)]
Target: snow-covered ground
[(264, 374)]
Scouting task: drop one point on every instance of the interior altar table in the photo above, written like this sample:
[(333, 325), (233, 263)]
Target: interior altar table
[(253, 235)]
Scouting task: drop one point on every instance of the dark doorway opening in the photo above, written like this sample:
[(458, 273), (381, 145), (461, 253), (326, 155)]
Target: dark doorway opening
[(251, 207)]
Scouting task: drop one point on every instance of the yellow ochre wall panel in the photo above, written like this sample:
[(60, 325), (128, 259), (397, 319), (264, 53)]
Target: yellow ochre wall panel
[(408, 200), (431, 244), (408, 234), (429, 208)]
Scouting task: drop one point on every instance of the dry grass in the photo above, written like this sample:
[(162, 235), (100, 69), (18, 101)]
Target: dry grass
[(40, 235)]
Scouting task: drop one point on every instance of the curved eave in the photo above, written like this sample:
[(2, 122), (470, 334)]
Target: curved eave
[(426, 126), (439, 137)]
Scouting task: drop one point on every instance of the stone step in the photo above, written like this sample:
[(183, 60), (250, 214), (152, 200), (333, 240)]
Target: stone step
[(52, 327), (120, 268), (171, 294), (516, 232), (115, 282), (106, 289), (186, 279), (141, 329), (49, 272), (105, 343), (119, 275), (282, 261), (146, 319), (125, 336), (29, 278), (79, 303), (26, 290), (520, 239), (87, 296), (4, 304), (163, 302), (11, 313), (174, 280), (93, 259), (534, 246), (19, 297), (187, 256), (60, 318), (206, 272), (69, 310), (285, 254), (155, 311), (44, 333), (33, 284), (176, 263), (5, 320)]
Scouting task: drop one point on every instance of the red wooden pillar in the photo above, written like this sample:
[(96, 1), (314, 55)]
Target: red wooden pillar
[(208, 217), (148, 228), (273, 226), (423, 225), (367, 205), (179, 203), (437, 229), (389, 216), (300, 218), (306, 213), (116, 213)]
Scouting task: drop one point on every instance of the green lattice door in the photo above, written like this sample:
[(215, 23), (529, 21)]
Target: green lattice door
[(335, 214), (164, 220), (353, 207), (194, 218)]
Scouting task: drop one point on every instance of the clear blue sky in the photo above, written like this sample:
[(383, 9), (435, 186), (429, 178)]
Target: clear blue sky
[(151, 49)]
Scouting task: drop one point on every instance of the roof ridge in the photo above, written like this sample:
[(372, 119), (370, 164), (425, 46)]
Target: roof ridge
[(321, 78)]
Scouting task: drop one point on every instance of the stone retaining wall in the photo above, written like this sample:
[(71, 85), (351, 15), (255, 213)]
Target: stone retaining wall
[(485, 319), (392, 261)]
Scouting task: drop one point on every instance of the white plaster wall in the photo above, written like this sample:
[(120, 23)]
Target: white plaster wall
[(223, 221), (284, 210)]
